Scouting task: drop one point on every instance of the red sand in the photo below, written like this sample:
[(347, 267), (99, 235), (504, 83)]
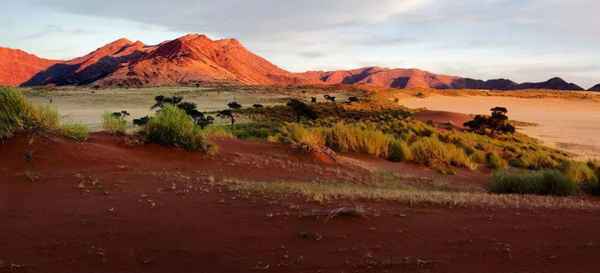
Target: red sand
[(105, 206)]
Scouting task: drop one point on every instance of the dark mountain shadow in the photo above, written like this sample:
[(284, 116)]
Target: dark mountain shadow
[(67, 74)]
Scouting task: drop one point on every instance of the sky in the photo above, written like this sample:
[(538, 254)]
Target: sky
[(524, 40)]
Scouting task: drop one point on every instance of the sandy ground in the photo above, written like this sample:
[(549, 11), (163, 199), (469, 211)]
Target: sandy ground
[(571, 125), (107, 206)]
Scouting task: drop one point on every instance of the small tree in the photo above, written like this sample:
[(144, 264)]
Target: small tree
[(228, 114), (234, 105), (313, 99), (498, 122), (329, 98), (353, 99), (301, 109), (258, 105)]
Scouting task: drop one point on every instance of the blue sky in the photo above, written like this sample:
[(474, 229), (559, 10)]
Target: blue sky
[(525, 40)]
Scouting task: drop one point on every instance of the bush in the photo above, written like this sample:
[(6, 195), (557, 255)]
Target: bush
[(399, 151), (546, 182), (114, 124), (434, 153), (582, 174), (16, 113), (495, 162), (77, 132), (172, 126)]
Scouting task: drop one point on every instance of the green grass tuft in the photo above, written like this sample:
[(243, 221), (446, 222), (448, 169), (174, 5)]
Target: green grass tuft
[(399, 151)]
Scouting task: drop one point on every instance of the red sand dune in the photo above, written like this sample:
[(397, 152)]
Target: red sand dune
[(104, 206)]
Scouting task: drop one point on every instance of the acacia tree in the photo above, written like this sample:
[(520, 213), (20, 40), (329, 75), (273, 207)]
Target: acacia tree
[(228, 114), (498, 122), (301, 109), (329, 98)]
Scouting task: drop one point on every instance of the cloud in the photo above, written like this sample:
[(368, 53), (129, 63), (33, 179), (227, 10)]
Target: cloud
[(242, 17)]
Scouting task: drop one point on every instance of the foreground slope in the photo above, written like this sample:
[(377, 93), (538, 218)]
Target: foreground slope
[(105, 206)]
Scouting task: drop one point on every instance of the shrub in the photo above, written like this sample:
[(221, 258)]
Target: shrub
[(546, 182), (172, 126), (399, 151), (75, 131), (114, 124), (434, 153), (495, 162)]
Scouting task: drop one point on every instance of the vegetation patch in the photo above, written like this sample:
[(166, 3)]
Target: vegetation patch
[(546, 182), (172, 126)]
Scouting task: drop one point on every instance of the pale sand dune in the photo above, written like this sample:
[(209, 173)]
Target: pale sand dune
[(571, 125)]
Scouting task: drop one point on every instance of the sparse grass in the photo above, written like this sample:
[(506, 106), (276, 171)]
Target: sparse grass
[(216, 132), (546, 182), (332, 192), (113, 124), (172, 126), (76, 131)]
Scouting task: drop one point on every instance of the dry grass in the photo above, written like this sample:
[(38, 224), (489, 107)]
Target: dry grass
[(331, 192)]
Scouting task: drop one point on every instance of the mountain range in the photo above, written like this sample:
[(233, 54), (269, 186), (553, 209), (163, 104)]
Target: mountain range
[(196, 58)]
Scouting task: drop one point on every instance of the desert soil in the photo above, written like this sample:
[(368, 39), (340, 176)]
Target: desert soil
[(571, 125), (109, 206)]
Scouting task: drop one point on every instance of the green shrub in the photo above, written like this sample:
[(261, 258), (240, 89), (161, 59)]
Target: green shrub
[(172, 126), (432, 152), (546, 182), (114, 124), (399, 151), (75, 131), (495, 162)]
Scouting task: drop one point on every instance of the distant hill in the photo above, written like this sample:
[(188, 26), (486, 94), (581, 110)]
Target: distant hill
[(595, 88), (17, 66), (196, 58)]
